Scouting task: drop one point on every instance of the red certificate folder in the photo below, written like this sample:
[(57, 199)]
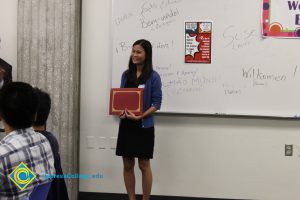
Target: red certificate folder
[(130, 98)]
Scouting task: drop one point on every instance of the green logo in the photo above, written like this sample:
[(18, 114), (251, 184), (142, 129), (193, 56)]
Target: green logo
[(22, 176)]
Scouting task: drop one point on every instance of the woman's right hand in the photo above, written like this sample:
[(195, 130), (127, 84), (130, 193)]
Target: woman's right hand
[(122, 115)]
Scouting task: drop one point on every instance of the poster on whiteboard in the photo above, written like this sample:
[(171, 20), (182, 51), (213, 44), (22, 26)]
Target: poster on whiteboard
[(198, 42), (281, 19)]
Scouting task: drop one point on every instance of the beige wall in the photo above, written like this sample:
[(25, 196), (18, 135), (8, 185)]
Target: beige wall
[(8, 32)]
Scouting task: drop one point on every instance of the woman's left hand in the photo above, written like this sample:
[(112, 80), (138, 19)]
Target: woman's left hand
[(132, 116)]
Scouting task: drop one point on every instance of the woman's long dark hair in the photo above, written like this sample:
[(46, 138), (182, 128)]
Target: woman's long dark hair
[(147, 69)]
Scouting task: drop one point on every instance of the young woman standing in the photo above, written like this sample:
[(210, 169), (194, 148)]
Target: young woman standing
[(136, 133)]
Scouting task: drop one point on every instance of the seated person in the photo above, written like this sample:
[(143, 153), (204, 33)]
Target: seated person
[(58, 190), (18, 107)]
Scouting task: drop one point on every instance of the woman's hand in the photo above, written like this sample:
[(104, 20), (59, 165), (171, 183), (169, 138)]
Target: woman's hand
[(122, 115), (132, 116)]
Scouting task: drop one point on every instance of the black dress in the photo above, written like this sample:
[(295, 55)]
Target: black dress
[(133, 140)]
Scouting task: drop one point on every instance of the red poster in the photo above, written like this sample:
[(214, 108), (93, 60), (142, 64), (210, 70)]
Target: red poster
[(198, 42)]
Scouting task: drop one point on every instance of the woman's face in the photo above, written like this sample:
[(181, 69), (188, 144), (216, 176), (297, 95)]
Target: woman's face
[(138, 55)]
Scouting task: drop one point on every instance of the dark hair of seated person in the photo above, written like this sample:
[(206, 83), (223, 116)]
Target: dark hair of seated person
[(18, 104), (43, 109)]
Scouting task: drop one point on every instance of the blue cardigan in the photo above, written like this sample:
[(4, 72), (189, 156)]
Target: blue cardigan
[(152, 96)]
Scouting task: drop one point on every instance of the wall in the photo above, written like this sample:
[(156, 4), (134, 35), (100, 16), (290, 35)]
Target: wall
[(8, 32), (198, 156)]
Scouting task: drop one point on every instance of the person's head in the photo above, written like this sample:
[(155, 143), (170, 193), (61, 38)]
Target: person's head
[(43, 109), (18, 104), (141, 54)]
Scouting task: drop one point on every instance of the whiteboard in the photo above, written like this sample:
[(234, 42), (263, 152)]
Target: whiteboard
[(248, 75)]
